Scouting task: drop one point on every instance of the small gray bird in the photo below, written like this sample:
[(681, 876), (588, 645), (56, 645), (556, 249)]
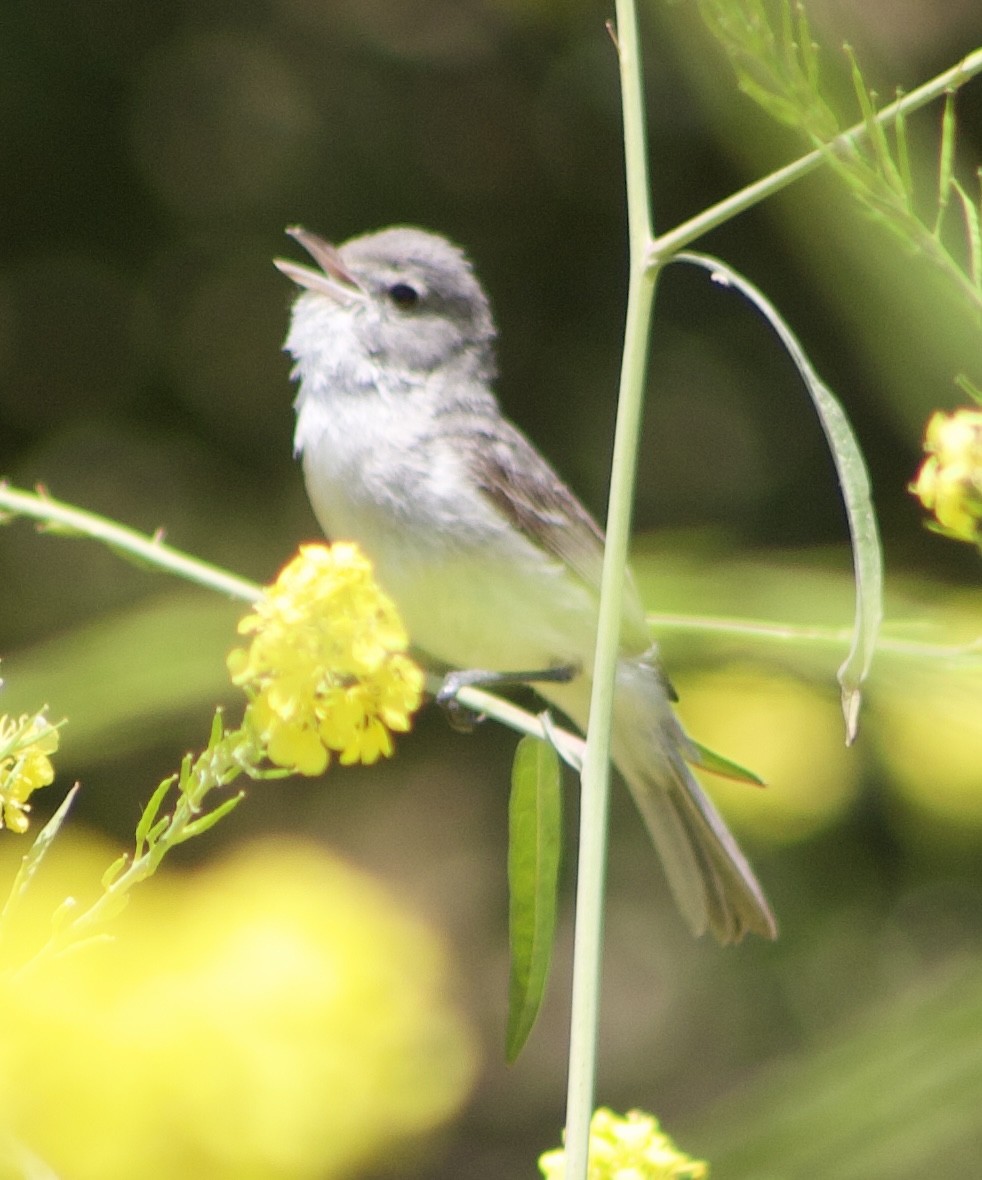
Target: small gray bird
[(493, 562)]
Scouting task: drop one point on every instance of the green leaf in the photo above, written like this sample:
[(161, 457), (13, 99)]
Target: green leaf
[(808, 50), (110, 875), (875, 133), (31, 861), (966, 386), (716, 764), (946, 159), (158, 829), (854, 483), (973, 233), (204, 822), (534, 838), (150, 812)]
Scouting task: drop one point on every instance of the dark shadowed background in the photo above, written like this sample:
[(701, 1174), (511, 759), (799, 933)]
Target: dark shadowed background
[(152, 154)]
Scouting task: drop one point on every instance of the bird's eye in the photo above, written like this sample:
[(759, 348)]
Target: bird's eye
[(403, 295)]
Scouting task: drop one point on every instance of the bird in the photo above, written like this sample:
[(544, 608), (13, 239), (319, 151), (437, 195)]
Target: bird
[(492, 561)]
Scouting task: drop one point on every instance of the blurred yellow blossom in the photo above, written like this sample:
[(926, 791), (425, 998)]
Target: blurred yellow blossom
[(278, 1016), (929, 731), (26, 746), (949, 483), (629, 1148), (327, 667), (790, 732)]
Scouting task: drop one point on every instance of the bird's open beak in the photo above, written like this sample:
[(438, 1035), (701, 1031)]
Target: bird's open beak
[(333, 279)]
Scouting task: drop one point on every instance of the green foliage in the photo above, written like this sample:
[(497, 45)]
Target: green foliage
[(855, 486), (228, 754), (31, 862), (968, 388), (149, 552), (725, 767), (777, 65), (896, 1095), (776, 61), (534, 842)]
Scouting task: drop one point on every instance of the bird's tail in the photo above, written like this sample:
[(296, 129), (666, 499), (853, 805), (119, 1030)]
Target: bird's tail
[(713, 884)]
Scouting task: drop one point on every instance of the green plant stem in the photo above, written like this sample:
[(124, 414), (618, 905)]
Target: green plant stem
[(588, 947), (854, 483), (153, 551), (139, 869), (763, 632), (229, 754), (60, 517), (669, 243), (72, 932)]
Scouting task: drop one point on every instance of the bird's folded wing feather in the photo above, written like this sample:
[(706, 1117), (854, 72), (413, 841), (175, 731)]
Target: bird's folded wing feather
[(530, 495)]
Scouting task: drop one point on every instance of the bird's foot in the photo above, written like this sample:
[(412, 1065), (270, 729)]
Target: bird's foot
[(465, 719)]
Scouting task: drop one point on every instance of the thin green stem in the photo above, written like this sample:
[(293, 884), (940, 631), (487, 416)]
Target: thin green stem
[(588, 950), (759, 631), (228, 755), (57, 516), (568, 745), (673, 240), (60, 517)]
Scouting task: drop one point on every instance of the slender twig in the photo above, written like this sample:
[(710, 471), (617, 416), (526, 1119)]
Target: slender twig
[(58, 517), (759, 631)]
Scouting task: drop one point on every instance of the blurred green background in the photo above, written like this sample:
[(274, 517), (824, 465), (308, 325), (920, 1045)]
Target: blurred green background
[(152, 155)]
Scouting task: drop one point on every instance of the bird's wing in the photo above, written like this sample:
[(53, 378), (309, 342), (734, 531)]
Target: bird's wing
[(530, 495)]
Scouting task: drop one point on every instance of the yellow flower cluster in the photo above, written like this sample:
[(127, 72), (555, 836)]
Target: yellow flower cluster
[(629, 1148), (25, 764), (326, 669), (949, 483)]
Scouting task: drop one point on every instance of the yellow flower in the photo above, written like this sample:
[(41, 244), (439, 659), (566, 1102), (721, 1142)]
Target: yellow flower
[(25, 764), (275, 1015), (949, 483), (629, 1148), (327, 668)]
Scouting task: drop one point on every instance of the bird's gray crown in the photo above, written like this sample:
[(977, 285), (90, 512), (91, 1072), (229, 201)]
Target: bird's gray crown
[(420, 307)]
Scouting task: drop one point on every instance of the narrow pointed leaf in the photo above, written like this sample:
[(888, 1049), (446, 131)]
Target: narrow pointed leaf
[(209, 819), (874, 128), (31, 861), (715, 763), (903, 157), (110, 875), (150, 812), (158, 829), (867, 555), (534, 837), (973, 233), (946, 158)]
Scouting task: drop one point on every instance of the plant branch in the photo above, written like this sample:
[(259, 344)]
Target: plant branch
[(66, 520), (58, 517), (682, 235), (765, 632)]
